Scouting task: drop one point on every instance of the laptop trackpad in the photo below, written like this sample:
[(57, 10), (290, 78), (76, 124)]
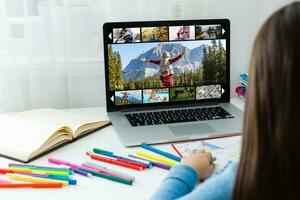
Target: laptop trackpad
[(191, 129)]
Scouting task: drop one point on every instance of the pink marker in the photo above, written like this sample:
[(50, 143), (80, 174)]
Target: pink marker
[(4, 182), (61, 162), (106, 172), (74, 167)]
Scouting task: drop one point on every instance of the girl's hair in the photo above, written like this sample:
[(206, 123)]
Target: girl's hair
[(270, 157)]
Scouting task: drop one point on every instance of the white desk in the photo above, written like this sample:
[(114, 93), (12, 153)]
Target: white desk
[(94, 188)]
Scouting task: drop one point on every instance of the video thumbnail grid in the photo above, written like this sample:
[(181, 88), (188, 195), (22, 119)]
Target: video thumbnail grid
[(165, 95), (166, 33)]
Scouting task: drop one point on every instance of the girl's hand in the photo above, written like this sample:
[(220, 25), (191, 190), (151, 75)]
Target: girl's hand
[(201, 163)]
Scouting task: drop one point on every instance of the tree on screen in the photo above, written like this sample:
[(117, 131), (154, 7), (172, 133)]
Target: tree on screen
[(212, 69), (115, 70), (214, 63), (118, 70)]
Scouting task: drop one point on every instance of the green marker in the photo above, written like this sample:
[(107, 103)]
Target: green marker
[(101, 151), (58, 176), (107, 176)]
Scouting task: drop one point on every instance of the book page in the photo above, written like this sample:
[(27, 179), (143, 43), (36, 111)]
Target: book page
[(57, 117), (21, 137), (224, 150)]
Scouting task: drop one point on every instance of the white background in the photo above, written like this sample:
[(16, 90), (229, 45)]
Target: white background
[(51, 50)]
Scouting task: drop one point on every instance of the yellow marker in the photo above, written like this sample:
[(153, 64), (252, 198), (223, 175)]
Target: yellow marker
[(19, 177), (49, 172), (156, 158)]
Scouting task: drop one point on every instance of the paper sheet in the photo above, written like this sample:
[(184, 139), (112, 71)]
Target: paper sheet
[(223, 149)]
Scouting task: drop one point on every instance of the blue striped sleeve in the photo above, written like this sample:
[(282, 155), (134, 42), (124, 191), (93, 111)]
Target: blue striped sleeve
[(180, 181)]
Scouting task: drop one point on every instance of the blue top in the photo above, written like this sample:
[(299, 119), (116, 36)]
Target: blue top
[(182, 179)]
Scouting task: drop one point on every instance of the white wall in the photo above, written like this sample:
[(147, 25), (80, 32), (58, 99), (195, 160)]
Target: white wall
[(51, 51), (246, 18)]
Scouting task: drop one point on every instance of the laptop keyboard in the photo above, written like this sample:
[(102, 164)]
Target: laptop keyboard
[(177, 116)]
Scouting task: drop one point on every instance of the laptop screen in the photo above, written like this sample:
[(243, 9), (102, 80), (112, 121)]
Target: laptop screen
[(166, 63)]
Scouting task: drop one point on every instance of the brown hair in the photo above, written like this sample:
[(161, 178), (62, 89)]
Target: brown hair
[(270, 158)]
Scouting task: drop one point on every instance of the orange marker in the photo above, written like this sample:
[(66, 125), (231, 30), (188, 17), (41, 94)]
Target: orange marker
[(31, 185)]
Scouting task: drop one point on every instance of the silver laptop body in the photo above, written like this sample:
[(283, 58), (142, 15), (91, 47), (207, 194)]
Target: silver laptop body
[(212, 36)]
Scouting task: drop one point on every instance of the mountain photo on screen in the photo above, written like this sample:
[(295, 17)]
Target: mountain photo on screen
[(195, 63), (128, 97)]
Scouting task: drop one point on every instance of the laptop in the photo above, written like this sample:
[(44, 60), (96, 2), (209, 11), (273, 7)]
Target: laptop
[(169, 81)]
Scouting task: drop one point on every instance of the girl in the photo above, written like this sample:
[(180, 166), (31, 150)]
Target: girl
[(270, 154)]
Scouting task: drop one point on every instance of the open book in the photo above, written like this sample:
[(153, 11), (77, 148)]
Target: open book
[(31, 134)]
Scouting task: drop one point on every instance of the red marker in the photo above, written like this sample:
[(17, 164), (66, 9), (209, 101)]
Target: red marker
[(5, 171), (114, 161), (132, 163)]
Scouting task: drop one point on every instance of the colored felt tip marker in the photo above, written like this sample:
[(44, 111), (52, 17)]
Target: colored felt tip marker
[(61, 162), (32, 174), (160, 152), (9, 170), (31, 185), (156, 164), (126, 160), (107, 176), (19, 177), (62, 177), (149, 164), (101, 151), (121, 157), (80, 172), (70, 181), (156, 158), (113, 161), (41, 167), (73, 167), (34, 170), (106, 171), (4, 182)]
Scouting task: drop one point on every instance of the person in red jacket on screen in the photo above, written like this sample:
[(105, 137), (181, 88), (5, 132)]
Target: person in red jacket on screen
[(165, 67)]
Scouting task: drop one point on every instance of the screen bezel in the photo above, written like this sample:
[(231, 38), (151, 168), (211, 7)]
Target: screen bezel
[(225, 98)]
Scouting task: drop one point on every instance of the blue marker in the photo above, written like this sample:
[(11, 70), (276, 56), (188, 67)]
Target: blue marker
[(211, 145), (163, 153)]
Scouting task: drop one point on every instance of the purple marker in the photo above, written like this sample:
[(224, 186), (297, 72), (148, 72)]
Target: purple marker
[(80, 172), (157, 164)]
